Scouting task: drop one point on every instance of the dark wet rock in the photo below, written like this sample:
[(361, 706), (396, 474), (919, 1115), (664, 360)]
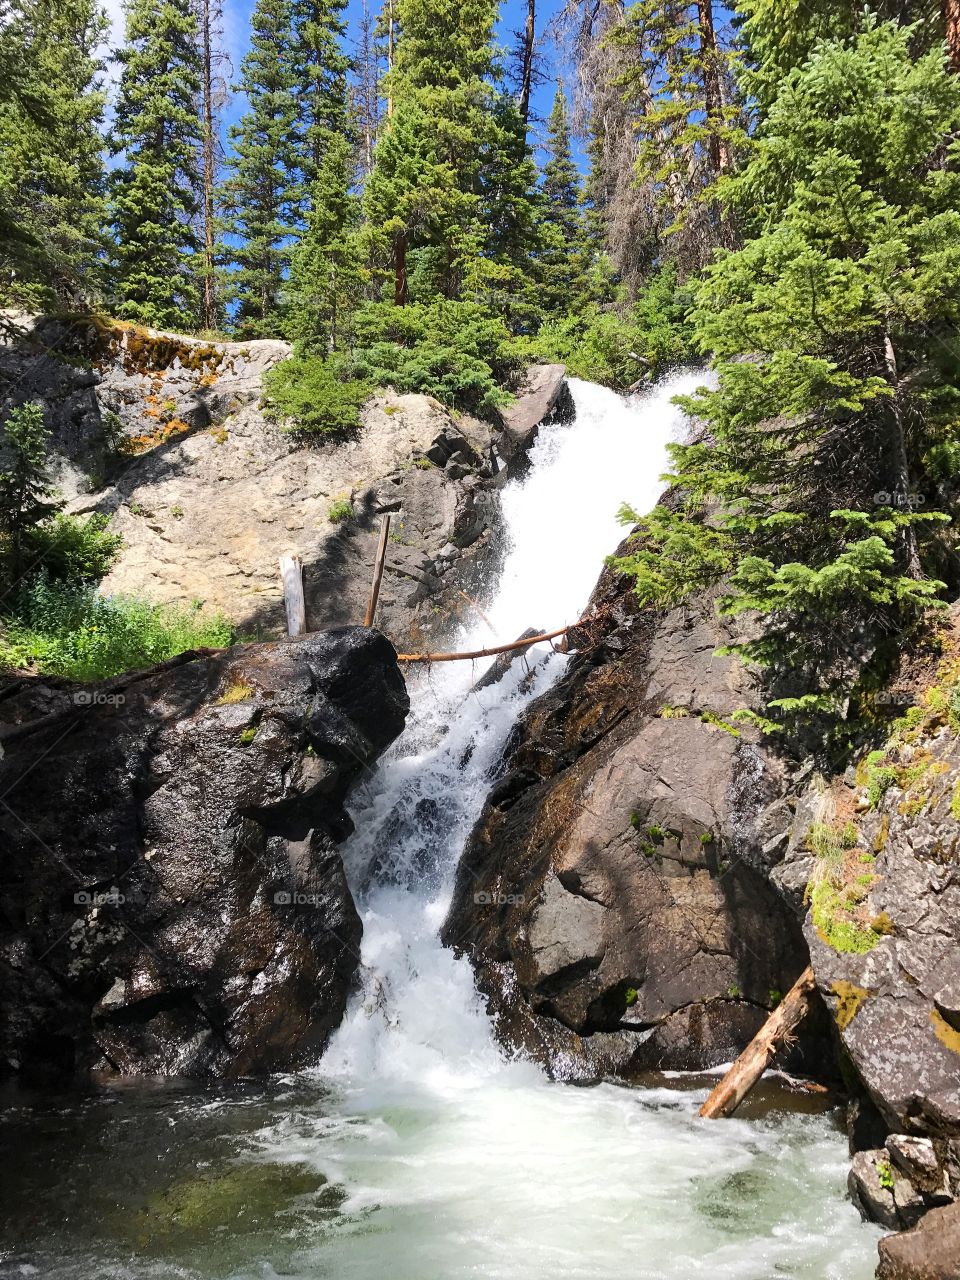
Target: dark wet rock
[(613, 897), (931, 1251), (173, 899)]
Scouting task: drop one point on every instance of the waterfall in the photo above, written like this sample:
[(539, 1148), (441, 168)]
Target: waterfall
[(418, 1016)]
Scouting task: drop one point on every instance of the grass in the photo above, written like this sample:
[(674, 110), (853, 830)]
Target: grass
[(70, 630), (340, 509), (838, 888)]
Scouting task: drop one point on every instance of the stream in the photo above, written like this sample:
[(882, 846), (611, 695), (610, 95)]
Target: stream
[(417, 1149)]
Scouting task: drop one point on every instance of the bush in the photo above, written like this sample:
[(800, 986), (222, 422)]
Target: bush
[(70, 547), (455, 351), (68, 629), (602, 346), (314, 395)]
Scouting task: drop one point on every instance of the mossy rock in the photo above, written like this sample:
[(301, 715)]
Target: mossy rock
[(244, 1199)]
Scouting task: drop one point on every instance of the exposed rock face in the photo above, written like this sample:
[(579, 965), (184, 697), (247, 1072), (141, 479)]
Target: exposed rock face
[(614, 897), (173, 898), (931, 1251), (167, 434), (544, 395)]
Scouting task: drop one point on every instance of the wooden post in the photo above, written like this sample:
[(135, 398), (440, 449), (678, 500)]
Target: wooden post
[(292, 576), (755, 1059), (378, 572)]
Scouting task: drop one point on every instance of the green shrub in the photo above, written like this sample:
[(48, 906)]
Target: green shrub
[(455, 351), (602, 345), (68, 629), (340, 509), (314, 396), (71, 547)]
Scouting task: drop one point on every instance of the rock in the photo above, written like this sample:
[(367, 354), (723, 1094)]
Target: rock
[(173, 898), (543, 396), (917, 1160), (930, 1251), (167, 435), (613, 897), (874, 1199)]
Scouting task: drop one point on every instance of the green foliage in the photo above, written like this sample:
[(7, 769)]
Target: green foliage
[(154, 187), (340, 509), (26, 494), (52, 208), (838, 887), (75, 547), (603, 345), (884, 1174), (68, 629), (455, 351), (842, 302), (314, 396)]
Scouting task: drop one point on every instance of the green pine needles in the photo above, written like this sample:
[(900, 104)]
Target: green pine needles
[(809, 492)]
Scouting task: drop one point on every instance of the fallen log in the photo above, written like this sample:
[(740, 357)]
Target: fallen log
[(486, 653), (378, 571), (750, 1066)]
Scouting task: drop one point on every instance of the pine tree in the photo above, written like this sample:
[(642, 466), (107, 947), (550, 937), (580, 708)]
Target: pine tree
[(26, 495), (264, 193), (565, 257), (320, 67), (832, 455), (212, 91), (325, 273), (51, 189), (154, 189), (424, 191)]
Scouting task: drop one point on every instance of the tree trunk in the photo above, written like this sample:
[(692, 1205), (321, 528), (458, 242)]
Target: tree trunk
[(720, 158), (901, 466), (951, 21), (291, 574), (755, 1059), (526, 62), (209, 160), (377, 571)]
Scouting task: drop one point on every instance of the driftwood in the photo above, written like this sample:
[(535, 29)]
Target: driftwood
[(377, 572), (750, 1066), (522, 643), (292, 575)]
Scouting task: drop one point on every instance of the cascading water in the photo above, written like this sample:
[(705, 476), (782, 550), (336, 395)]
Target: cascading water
[(442, 1158)]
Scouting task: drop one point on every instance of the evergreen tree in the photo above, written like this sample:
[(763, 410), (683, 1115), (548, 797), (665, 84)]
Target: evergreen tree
[(51, 167), (832, 458), (154, 190), (424, 191), (212, 92), (26, 495), (320, 68), (325, 272), (264, 193), (565, 257)]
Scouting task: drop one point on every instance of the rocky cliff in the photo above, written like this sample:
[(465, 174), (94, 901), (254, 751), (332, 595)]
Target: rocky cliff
[(168, 435), (173, 899)]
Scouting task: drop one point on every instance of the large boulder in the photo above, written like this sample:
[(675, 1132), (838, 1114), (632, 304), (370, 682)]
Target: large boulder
[(930, 1251), (173, 899), (614, 897)]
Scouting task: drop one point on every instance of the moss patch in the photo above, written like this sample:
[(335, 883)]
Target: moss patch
[(944, 1032), (849, 999), (236, 692)]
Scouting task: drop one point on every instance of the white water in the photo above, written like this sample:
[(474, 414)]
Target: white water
[(455, 1161)]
